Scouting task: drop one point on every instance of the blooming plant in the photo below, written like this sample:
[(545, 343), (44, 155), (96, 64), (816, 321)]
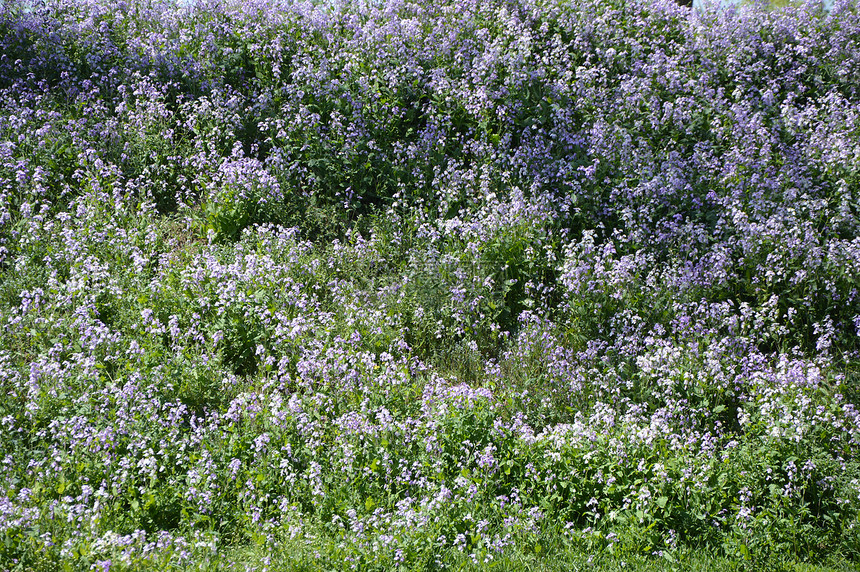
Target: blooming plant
[(413, 284)]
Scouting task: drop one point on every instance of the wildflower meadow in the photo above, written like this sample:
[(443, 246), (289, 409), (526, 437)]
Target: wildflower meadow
[(429, 285)]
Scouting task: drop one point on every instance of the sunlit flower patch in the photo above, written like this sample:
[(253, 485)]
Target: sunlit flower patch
[(427, 285)]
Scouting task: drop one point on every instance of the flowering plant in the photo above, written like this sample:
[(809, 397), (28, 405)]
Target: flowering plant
[(428, 285)]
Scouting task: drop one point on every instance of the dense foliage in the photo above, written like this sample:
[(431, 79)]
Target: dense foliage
[(424, 284)]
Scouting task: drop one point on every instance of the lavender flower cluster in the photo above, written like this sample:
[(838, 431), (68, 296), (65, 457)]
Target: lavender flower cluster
[(417, 284)]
